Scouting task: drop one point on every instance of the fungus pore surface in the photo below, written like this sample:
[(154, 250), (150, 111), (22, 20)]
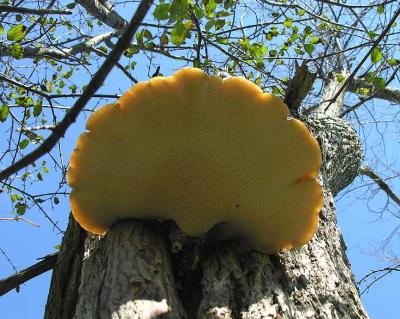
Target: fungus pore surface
[(199, 150)]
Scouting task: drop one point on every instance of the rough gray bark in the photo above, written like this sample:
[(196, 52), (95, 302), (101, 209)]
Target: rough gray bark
[(341, 150), (127, 274), (141, 270), (65, 281)]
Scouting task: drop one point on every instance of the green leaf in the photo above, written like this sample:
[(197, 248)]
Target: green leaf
[(37, 108), (301, 12), (103, 49), (269, 36), (394, 62), (45, 169), (370, 77), (258, 50), (272, 53), (73, 88), (209, 25), (219, 24), (71, 5), (21, 208), (13, 197), (309, 48), (143, 34), (222, 40), (340, 77), (307, 30), (260, 64), (288, 23), (16, 51), (293, 38), (25, 101), (210, 8), (178, 33), (277, 90), (164, 39), (1, 29), (23, 144), (315, 40), (39, 176), (379, 83), (4, 111), (178, 9), (376, 55), (16, 33), (161, 12), (298, 51), (380, 9)]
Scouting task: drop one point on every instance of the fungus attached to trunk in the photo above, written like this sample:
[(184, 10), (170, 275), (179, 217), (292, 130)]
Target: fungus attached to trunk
[(201, 151)]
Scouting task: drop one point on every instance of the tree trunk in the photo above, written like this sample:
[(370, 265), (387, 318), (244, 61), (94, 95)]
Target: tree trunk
[(146, 269)]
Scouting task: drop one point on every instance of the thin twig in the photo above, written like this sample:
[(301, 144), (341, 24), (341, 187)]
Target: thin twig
[(381, 183), (39, 12), (385, 271), (17, 219)]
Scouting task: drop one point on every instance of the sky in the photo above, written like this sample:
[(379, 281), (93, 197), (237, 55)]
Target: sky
[(363, 231)]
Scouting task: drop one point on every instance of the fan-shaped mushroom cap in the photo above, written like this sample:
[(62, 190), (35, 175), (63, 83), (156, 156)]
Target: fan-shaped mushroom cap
[(199, 150)]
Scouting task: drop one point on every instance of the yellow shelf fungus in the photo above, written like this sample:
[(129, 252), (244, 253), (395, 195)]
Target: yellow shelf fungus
[(199, 150)]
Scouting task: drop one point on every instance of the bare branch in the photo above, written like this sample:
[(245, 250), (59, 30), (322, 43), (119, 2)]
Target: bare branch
[(354, 6), (381, 183), (17, 219), (39, 12), (91, 89), (382, 273), (14, 281)]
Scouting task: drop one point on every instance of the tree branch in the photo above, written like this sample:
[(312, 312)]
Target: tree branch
[(14, 281), (381, 183), (299, 86), (39, 12), (93, 86), (104, 14), (33, 52), (388, 93), (352, 6)]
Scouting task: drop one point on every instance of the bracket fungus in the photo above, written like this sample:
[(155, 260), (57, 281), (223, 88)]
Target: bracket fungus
[(201, 151)]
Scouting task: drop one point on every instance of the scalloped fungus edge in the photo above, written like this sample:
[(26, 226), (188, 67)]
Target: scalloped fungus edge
[(201, 151)]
